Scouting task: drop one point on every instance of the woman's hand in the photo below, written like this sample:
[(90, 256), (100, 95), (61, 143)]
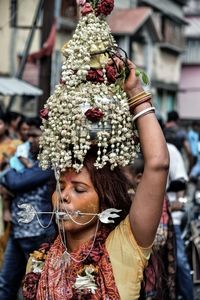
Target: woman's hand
[(132, 85)]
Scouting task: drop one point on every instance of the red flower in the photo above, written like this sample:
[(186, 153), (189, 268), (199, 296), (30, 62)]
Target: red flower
[(44, 113), (30, 285), (95, 76), (44, 247), (105, 7), (87, 8), (94, 114), (62, 81), (111, 73)]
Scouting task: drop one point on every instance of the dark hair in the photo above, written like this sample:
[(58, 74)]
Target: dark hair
[(22, 121), (12, 115), (137, 166), (110, 185), (35, 122), (3, 117), (172, 116)]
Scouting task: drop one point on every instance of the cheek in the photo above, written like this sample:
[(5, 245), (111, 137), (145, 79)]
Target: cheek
[(54, 199), (90, 204)]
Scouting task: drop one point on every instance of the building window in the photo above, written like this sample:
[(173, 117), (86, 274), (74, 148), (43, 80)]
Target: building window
[(170, 101), (192, 52), (172, 33)]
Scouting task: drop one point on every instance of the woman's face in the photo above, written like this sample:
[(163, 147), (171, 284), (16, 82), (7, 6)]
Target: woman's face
[(78, 194)]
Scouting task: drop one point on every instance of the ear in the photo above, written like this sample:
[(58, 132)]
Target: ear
[(138, 178)]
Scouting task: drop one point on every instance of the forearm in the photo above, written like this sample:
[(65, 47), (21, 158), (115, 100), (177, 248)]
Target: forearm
[(152, 141), (21, 182), (148, 201)]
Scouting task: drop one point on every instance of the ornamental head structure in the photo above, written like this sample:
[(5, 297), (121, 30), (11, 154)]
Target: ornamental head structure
[(89, 106)]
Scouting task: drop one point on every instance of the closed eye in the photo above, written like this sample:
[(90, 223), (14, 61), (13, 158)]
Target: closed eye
[(79, 190)]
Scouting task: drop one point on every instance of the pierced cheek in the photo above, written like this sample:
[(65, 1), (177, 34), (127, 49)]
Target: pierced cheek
[(55, 200), (91, 208)]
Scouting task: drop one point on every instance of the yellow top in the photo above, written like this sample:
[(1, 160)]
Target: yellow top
[(128, 260)]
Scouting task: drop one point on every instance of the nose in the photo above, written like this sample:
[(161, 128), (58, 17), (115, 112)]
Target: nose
[(66, 198)]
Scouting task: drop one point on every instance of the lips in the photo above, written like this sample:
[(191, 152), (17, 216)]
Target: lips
[(65, 215)]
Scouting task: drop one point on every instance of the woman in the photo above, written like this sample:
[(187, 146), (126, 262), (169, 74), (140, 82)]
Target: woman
[(118, 256), (87, 137)]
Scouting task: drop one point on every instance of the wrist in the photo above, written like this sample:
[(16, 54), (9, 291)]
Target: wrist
[(133, 92), (141, 107)]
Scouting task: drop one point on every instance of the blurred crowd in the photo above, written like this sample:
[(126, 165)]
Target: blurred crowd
[(22, 181)]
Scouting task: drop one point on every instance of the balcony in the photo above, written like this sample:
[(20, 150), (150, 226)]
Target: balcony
[(173, 39)]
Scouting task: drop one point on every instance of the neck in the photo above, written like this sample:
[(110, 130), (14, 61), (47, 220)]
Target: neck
[(76, 239)]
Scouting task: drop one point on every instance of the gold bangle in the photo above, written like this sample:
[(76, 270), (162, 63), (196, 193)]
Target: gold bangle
[(133, 107), (134, 104), (138, 96), (141, 93), (139, 100)]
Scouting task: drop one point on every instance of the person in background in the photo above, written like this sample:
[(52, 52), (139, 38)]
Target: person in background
[(175, 135), (193, 139), (8, 147), (159, 275), (177, 173), (13, 118), (19, 160), (176, 190), (31, 186), (22, 158)]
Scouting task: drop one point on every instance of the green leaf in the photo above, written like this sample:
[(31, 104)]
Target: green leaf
[(137, 72), (145, 78)]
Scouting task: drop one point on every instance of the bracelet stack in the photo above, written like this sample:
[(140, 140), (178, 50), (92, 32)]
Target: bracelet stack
[(144, 112), (139, 99)]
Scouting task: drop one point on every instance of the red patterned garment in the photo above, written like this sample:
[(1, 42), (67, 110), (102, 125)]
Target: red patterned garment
[(58, 278)]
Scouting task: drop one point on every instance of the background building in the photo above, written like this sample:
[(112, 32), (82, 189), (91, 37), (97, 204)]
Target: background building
[(155, 44), (152, 32), (189, 94)]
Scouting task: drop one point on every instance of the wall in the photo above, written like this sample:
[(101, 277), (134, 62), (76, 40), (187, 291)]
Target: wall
[(13, 40), (166, 67), (189, 94)]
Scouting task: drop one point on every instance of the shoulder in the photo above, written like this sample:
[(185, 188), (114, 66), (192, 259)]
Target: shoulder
[(122, 238), (128, 260)]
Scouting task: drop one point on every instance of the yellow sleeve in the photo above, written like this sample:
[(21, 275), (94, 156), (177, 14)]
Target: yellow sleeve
[(128, 260)]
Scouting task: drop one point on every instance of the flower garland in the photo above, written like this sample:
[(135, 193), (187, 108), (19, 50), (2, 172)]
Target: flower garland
[(89, 105), (31, 280)]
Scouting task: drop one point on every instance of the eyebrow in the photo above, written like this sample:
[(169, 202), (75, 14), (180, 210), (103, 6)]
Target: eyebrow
[(74, 181)]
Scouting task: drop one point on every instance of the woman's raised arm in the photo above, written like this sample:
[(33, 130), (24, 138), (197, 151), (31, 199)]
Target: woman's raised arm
[(146, 208)]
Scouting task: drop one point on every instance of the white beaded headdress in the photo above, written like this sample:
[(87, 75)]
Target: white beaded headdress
[(89, 105)]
